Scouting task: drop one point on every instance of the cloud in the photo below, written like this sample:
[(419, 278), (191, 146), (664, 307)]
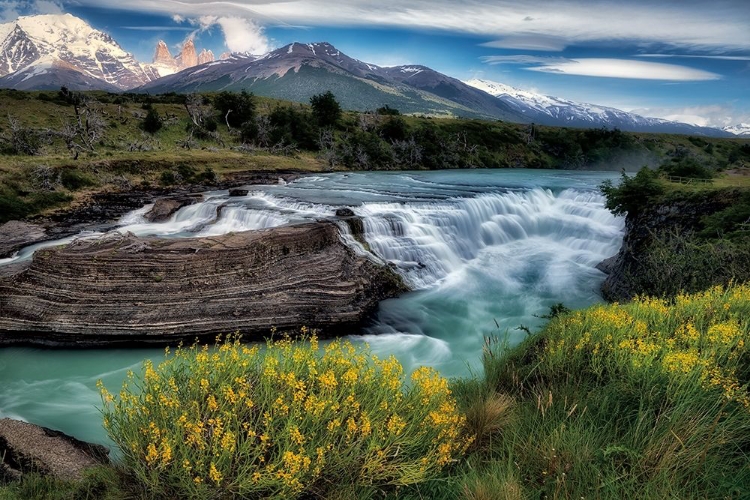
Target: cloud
[(157, 28), (523, 59), (607, 68), (528, 42), (243, 35), (685, 24), (715, 115), (11, 9), (697, 56)]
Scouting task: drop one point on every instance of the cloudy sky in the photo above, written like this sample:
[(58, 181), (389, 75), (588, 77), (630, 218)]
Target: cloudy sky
[(686, 60)]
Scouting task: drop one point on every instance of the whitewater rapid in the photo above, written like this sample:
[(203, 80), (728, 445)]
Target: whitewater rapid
[(483, 251)]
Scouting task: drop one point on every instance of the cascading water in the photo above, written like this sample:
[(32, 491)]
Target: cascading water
[(484, 251)]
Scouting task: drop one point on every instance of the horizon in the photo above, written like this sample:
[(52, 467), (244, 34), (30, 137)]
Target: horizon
[(681, 61)]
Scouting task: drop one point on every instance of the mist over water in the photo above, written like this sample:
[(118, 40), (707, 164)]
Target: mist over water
[(484, 251)]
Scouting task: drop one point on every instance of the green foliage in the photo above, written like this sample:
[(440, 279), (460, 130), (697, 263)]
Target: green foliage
[(644, 400), (686, 167), (293, 125), (388, 111), (73, 179), (732, 222), (633, 193), (152, 122), (98, 483), (282, 422), (233, 108), (15, 206), (325, 109), (675, 262)]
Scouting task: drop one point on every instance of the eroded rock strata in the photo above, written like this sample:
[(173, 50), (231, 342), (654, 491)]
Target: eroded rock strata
[(130, 290)]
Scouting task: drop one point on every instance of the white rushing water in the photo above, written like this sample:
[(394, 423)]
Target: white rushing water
[(484, 251)]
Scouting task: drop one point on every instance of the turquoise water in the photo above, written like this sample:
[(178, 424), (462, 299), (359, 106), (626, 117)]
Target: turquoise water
[(484, 250)]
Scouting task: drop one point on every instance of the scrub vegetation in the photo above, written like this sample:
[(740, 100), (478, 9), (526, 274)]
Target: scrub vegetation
[(58, 147)]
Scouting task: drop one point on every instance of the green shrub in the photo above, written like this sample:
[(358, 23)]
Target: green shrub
[(152, 123), (686, 167), (633, 193), (284, 421), (74, 179)]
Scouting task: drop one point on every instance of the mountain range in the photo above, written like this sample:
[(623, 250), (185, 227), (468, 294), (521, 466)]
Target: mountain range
[(48, 51)]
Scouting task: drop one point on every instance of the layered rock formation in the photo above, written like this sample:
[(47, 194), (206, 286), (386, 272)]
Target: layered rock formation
[(26, 448), (127, 290)]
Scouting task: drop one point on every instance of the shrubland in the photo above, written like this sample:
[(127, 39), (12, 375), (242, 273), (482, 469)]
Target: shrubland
[(136, 141)]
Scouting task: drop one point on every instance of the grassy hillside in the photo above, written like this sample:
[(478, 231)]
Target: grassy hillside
[(56, 147)]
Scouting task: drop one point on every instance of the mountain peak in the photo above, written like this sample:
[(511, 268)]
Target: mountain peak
[(74, 44)]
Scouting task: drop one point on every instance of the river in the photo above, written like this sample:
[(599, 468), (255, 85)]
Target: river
[(485, 251)]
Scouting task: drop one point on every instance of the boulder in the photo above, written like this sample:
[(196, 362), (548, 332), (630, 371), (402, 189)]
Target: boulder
[(27, 448), (164, 208), (238, 192), (344, 212)]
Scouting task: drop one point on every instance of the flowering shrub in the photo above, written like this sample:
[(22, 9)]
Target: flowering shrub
[(281, 421), (700, 337)]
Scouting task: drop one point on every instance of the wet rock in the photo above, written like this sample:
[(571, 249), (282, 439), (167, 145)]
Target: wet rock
[(344, 212), (238, 192), (15, 235), (164, 208), (27, 448), (158, 290)]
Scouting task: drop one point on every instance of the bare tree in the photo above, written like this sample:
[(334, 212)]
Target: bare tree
[(197, 110), (327, 145)]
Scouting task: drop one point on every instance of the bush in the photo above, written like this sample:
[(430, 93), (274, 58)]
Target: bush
[(285, 421), (152, 123), (686, 167), (633, 193), (239, 106)]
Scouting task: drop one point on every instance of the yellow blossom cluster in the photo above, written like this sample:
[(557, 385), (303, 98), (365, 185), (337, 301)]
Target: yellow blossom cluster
[(695, 339), (253, 421)]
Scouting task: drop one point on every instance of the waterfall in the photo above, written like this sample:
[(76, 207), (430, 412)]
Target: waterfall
[(430, 240)]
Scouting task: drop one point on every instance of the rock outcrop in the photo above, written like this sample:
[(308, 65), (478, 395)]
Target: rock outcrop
[(164, 208), (681, 214), (15, 235), (188, 57), (206, 56), (130, 290), (162, 54), (27, 447)]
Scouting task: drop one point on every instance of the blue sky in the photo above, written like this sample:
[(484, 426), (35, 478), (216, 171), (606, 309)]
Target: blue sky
[(686, 60)]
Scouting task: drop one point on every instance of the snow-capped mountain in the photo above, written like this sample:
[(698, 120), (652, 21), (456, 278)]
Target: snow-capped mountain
[(741, 129), (38, 47), (298, 71), (555, 111)]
